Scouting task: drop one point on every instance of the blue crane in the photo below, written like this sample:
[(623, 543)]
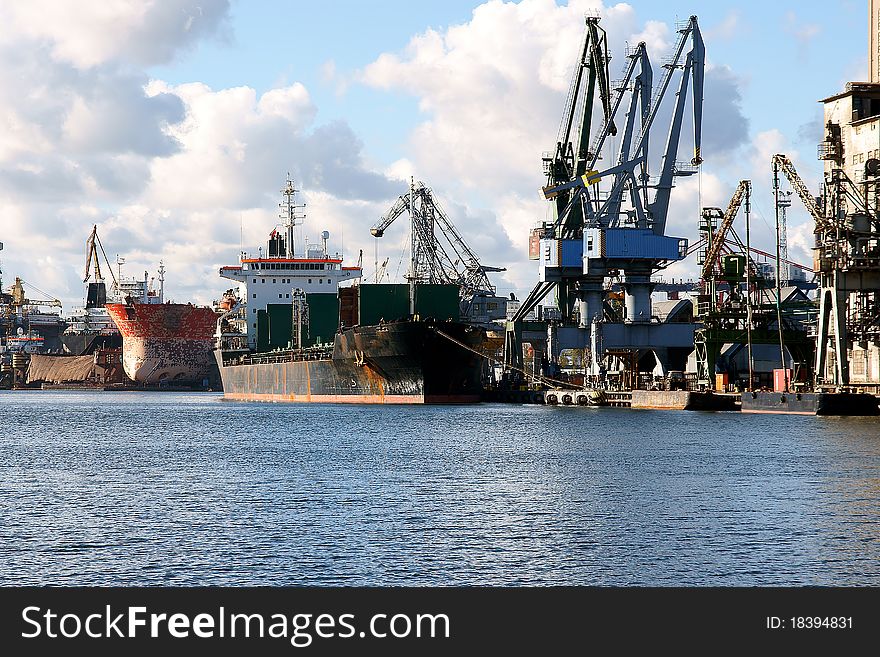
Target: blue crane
[(614, 220)]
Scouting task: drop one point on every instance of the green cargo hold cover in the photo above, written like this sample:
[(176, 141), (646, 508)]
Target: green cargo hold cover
[(382, 301), (262, 331), (323, 317), (390, 301), (437, 301), (280, 325)]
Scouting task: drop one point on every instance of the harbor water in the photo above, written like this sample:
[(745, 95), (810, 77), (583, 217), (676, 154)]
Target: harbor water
[(102, 488)]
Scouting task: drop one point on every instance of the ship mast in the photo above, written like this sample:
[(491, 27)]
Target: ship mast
[(290, 215), (161, 281)]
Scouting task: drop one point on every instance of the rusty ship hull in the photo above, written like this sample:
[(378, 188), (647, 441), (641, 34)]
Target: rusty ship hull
[(166, 343), (407, 362)]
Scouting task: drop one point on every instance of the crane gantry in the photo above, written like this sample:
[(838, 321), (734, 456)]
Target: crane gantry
[(613, 221), (434, 260)]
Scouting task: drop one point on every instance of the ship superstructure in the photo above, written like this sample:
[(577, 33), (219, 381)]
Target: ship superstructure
[(271, 277)]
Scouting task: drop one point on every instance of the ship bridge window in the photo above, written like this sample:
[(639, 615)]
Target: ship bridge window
[(262, 280), (310, 281), (255, 280), (274, 281)]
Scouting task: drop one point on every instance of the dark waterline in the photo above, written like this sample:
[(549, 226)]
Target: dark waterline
[(177, 489)]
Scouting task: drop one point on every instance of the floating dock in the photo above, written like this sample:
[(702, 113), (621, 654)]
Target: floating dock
[(810, 403), (680, 400)]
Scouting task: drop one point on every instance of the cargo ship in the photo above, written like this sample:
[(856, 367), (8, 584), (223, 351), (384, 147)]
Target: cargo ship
[(163, 343), (295, 334), (167, 343), (411, 361)]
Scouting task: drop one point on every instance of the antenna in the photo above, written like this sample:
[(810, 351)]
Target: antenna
[(161, 281), (289, 213), (119, 262)]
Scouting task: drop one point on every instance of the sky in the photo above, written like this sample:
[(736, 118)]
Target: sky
[(172, 124)]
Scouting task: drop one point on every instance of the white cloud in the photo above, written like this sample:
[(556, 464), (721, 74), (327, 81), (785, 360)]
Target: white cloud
[(803, 32), (729, 28), (185, 173), (92, 32)]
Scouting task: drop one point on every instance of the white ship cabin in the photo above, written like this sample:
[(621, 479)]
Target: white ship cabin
[(272, 279), (139, 290)]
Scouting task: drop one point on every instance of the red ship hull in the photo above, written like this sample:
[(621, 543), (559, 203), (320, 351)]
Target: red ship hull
[(166, 343)]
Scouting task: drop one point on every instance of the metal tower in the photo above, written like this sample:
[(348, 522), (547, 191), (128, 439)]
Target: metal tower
[(432, 259), (613, 221), (783, 202)]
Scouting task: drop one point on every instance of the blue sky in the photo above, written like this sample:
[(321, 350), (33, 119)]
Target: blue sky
[(172, 125), (779, 49)]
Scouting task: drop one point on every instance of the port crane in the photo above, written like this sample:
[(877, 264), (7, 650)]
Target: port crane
[(93, 262), (597, 232), (96, 295), (19, 299), (717, 238), (745, 315), (432, 261), (782, 164)]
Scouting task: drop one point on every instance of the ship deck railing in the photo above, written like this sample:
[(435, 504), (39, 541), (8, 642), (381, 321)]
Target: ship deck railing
[(287, 356)]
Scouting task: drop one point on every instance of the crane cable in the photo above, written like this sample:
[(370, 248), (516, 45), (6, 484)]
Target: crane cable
[(542, 379), (44, 293)]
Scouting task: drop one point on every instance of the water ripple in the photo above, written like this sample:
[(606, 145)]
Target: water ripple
[(174, 489)]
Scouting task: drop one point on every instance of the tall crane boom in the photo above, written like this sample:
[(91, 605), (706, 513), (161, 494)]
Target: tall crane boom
[(93, 243), (646, 213), (431, 261), (783, 164), (717, 241), (400, 206), (591, 76)]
